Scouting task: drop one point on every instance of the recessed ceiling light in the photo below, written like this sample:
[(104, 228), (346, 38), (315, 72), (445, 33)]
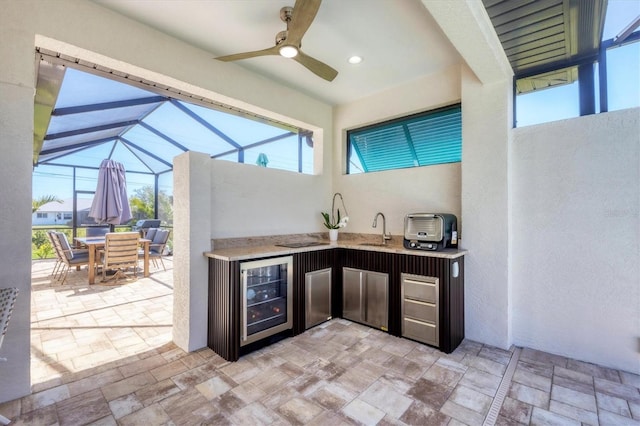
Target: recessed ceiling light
[(355, 60)]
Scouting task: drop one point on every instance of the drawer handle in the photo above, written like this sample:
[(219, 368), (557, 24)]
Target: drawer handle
[(433, 305), (419, 283), (420, 322)]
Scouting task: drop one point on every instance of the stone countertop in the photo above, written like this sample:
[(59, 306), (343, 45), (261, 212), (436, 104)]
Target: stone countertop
[(269, 250)]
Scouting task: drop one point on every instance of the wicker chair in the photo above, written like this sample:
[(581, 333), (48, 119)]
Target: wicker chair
[(120, 254)]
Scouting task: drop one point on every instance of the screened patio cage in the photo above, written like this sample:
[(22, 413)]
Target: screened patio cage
[(85, 114)]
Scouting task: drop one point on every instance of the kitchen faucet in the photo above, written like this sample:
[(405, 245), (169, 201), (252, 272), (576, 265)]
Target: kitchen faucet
[(385, 236)]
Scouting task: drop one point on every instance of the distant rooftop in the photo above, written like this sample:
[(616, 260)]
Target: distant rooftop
[(65, 206)]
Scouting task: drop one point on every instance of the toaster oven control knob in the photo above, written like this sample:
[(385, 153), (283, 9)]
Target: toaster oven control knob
[(412, 244)]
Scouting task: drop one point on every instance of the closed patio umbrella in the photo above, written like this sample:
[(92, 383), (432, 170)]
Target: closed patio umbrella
[(110, 202)]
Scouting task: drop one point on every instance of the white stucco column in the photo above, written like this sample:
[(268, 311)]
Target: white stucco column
[(16, 130), (486, 215), (191, 238), (486, 135), (16, 141)]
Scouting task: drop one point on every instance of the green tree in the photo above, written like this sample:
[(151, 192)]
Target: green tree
[(41, 246), (141, 203), (39, 202)]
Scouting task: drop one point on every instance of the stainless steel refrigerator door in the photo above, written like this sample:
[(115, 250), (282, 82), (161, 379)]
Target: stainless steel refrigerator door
[(318, 297), (352, 294), (376, 300)]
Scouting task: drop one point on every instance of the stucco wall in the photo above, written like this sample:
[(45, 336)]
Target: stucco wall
[(576, 237), (247, 200), (476, 190), (16, 136), (396, 192), (486, 112), (191, 237)]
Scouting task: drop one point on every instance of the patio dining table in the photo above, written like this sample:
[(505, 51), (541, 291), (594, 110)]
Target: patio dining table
[(95, 243)]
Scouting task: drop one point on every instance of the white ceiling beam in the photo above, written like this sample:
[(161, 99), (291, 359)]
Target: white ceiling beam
[(467, 25)]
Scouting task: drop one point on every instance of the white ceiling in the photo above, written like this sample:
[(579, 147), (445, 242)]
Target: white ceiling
[(398, 40)]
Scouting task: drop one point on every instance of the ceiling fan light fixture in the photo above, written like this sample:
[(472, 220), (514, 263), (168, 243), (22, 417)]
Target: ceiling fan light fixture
[(288, 51), (289, 41), (355, 59)]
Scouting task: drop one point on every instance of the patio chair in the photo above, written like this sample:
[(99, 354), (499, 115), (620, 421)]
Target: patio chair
[(120, 253), (157, 245), (144, 225), (7, 300), (97, 231), (59, 262), (151, 233), (68, 256)]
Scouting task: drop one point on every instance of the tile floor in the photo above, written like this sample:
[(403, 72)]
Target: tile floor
[(103, 355)]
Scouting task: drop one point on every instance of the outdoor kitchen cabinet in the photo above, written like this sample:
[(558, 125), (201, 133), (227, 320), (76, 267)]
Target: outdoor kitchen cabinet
[(374, 261), (317, 286), (224, 296), (420, 308), (304, 263), (365, 297), (223, 332), (449, 273), (229, 304), (450, 299)]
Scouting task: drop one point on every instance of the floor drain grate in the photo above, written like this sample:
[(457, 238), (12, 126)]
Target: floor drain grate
[(501, 394)]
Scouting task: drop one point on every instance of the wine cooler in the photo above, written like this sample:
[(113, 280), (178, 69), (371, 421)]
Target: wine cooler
[(267, 298)]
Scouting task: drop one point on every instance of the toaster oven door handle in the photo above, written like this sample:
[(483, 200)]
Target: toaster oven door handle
[(424, 215)]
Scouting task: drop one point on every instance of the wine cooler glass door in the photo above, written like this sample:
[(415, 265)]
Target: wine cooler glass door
[(266, 298)]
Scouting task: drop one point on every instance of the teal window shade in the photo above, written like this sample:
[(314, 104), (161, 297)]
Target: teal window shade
[(424, 139)]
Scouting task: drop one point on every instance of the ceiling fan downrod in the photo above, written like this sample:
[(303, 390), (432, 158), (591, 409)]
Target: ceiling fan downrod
[(286, 50)]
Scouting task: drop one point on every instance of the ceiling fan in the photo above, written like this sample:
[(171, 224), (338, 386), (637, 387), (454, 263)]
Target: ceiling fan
[(288, 43)]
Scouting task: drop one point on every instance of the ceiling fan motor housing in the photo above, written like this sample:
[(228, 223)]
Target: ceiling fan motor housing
[(305, 13), (280, 37), (285, 13)]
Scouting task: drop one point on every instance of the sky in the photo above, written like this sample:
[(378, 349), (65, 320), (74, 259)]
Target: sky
[(623, 65), (624, 92)]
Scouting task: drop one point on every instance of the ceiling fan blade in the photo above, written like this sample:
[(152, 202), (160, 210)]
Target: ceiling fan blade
[(304, 12), (270, 51), (315, 66)]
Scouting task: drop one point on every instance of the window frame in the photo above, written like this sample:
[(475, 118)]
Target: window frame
[(352, 148), (588, 78)]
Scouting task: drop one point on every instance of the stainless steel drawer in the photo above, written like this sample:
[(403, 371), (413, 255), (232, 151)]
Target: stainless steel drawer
[(423, 311), (420, 290), (420, 331)]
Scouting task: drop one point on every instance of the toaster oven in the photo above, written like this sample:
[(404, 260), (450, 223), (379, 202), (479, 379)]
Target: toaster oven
[(430, 231)]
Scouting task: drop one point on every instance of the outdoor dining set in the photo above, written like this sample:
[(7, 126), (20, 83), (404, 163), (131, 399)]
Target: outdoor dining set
[(116, 254)]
